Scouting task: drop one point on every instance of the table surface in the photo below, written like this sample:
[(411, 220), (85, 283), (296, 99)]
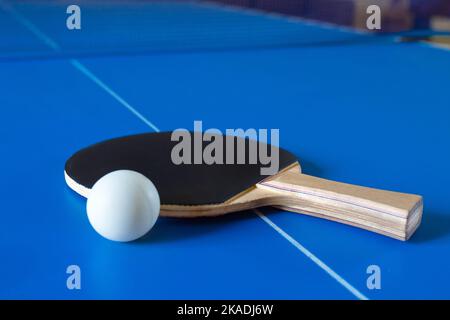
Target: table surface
[(374, 114)]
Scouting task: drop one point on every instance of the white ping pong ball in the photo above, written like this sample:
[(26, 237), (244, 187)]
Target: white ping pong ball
[(123, 205)]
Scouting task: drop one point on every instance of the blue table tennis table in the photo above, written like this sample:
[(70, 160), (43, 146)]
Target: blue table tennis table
[(365, 112)]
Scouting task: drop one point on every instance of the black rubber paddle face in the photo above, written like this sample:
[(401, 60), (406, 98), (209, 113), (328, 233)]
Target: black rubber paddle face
[(182, 184)]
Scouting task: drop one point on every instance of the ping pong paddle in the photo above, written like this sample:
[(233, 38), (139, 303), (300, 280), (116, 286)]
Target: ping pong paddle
[(198, 190)]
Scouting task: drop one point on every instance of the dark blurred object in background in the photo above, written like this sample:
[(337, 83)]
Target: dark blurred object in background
[(397, 15)]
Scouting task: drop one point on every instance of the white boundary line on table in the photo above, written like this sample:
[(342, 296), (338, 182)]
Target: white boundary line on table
[(89, 74)]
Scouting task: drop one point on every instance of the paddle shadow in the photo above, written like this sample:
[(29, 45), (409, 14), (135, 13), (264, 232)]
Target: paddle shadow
[(434, 226), (178, 229), (309, 167)]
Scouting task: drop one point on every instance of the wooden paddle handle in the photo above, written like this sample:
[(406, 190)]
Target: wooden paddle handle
[(391, 213)]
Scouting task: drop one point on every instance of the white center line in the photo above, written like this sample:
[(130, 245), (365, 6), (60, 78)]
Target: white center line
[(312, 257), (88, 73), (77, 64), (30, 26)]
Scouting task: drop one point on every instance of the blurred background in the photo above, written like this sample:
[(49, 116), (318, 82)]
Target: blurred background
[(144, 26), (397, 15)]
